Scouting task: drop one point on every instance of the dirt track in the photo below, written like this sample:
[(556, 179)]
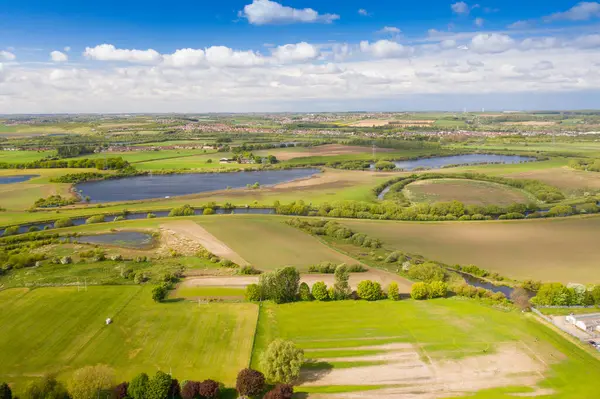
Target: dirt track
[(185, 236)]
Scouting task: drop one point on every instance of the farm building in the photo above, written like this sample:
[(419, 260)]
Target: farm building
[(585, 322)]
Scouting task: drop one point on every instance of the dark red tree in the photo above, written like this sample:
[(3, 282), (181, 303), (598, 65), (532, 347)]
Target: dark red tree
[(190, 390), (281, 391), (120, 390), (175, 390), (250, 382), (209, 389)]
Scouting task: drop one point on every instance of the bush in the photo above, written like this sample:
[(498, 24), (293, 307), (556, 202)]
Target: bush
[(120, 390), (138, 386), (427, 272), (46, 388), (394, 257), (385, 165), (11, 231), (209, 389), (159, 386), (248, 270), (208, 211), (185, 210), (304, 292), (319, 291), (150, 216), (357, 269), (437, 289), (341, 286), (253, 293), (66, 222), (159, 293), (280, 285), (282, 361), (250, 382), (281, 391), (227, 263), (369, 290), (95, 219), (393, 291), (419, 291), (190, 389)]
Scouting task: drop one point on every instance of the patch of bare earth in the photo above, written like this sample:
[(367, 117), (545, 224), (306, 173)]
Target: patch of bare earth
[(187, 238), (410, 376)]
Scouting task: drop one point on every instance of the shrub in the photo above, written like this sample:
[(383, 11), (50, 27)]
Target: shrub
[(393, 257), (159, 386), (159, 293), (304, 292), (393, 291), (150, 216), (120, 390), (227, 263), (46, 388), (87, 382), (248, 270), (369, 290), (250, 382), (427, 272), (253, 293), (437, 289), (281, 361), (66, 260), (95, 219), (208, 211), (190, 389), (419, 291), (560, 210), (11, 231), (341, 286), (357, 269), (331, 294), (280, 391), (138, 386), (319, 291), (119, 218), (185, 210), (66, 222), (209, 389), (385, 165)]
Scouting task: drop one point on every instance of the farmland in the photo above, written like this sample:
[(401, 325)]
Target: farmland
[(548, 250)]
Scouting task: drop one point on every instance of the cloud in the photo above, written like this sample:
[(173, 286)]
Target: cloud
[(225, 57), (264, 12), (363, 12), (57, 56), (491, 43), (520, 25), (543, 66), (67, 49), (581, 12), (587, 42), (384, 49), (479, 22), (7, 56), (448, 43), (300, 52), (108, 52), (460, 7), (390, 30), (539, 43), (186, 57)]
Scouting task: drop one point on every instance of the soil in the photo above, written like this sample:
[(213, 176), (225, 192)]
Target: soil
[(187, 238)]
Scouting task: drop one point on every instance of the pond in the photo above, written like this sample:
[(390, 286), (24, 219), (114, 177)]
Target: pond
[(16, 179), (125, 239), (469, 159), (161, 186)]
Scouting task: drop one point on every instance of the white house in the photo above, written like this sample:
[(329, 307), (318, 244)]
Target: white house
[(585, 322)]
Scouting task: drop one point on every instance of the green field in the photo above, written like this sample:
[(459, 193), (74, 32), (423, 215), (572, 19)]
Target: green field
[(61, 329), (547, 250), (268, 243), (194, 292), (449, 336)]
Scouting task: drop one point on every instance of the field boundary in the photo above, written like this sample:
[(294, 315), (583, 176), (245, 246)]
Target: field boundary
[(254, 335)]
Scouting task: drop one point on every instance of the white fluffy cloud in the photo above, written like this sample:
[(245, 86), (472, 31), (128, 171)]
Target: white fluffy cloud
[(363, 12), (460, 7), (392, 30), (225, 57), (384, 49), (491, 43), (583, 11), (57, 56), (108, 52), (7, 56), (186, 57), (300, 52), (263, 12)]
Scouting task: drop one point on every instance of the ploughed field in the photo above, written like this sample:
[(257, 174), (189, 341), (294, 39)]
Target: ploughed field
[(562, 249), (469, 192)]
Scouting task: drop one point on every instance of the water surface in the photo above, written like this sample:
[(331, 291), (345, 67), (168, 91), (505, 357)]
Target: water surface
[(125, 239), (469, 159), (16, 179)]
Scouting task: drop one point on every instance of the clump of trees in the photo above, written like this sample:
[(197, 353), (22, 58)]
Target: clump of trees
[(557, 294), (83, 163), (330, 267), (65, 222), (469, 291), (282, 361), (184, 210), (592, 165), (54, 201), (95, 219), (369, 290), (334, 230), (434, 289)]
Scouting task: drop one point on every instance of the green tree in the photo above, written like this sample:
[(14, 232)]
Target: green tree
[(419, 291), (369, 290), (46, 388), (341, 287), (319, 291), (159, 386), (280, 285), (138, 386), (438, 289), (596, 294), (208, 211), (89, 381), (385, 165), (253, 293), (304, 292), (159, 293), (281, 361), (5, 392), (427, 272), (393, 291)]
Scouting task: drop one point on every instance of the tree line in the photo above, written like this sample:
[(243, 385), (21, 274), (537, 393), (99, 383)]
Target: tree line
[(116, 163)]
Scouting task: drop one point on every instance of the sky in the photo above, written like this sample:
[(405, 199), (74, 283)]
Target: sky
[(297, 55)]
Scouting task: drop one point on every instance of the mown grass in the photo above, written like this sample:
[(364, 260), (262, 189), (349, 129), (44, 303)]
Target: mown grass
[(192, 292), (568, 311), (440, 328), (61, 329), (316, 354)]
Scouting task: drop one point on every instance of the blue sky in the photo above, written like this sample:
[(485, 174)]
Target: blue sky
[(286, 55)]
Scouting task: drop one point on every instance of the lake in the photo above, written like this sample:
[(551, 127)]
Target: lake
[(16, 179), (469, 159), (161, 186), (125, 239)]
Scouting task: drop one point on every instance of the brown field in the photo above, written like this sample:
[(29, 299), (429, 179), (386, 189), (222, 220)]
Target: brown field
[(531, 123), (466, 191), (371, 123), (549, 250), (564, 178), (327, 150)]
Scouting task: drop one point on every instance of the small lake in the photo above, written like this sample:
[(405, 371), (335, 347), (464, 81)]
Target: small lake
[(125, 239), (16, 179), (161, 186), (469, 159)]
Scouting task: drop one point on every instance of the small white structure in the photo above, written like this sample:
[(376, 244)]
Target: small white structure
[(108, 321), (586, 322)]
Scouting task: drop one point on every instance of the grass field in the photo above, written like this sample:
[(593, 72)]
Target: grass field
[(567, 179), (547, 250), (213, 292), (389, 349), (23, 156), (268, 243), (466, 191), (60, 329)]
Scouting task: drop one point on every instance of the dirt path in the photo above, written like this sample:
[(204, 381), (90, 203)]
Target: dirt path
[(382, 277), (186, 236)]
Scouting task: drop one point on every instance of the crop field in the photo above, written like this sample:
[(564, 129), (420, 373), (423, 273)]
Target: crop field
[(61, 329), (466, 191), (23, 156), (434, 349), (565, 178), (548, 250), (267, 242), (285, 154)]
